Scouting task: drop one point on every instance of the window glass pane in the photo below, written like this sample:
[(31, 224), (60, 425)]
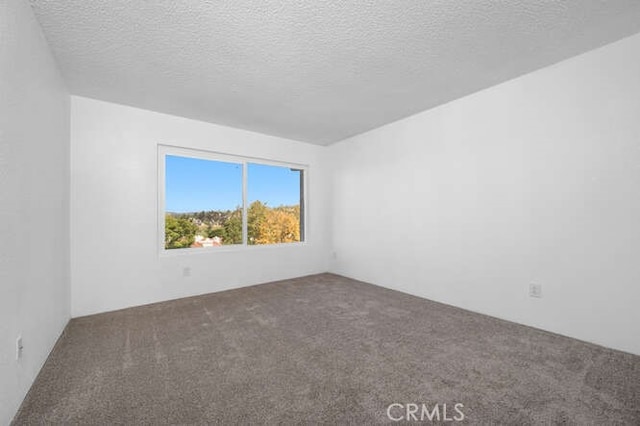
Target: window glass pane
[(203, 203), (275, 198)]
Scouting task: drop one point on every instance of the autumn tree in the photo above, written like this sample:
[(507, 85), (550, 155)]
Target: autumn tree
[(267, 225)]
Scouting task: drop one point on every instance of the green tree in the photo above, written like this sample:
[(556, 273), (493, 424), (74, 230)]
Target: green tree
[(233, 228), (178, 232), (256, 216), (215, 232)]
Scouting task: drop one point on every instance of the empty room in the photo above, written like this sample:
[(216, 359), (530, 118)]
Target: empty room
[(319, 212)]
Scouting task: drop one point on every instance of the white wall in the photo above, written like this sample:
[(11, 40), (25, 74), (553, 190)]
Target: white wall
[(537, 179), (115, 259), (533, 180), (34, 202)]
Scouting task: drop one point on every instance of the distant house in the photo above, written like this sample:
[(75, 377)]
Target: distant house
[(206, 242)]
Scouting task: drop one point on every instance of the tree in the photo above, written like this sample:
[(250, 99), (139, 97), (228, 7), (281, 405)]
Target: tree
[(178, 232), (279, 226), (256, 216), (212, 232), (265, 225), (233, 228)]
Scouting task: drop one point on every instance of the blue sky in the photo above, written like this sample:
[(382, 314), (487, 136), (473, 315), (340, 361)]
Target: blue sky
[(194, 185)]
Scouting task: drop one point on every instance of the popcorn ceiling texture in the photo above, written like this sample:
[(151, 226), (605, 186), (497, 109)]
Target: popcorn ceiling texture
[(314, 71)]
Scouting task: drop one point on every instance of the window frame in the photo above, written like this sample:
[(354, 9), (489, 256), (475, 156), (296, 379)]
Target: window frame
[(244, 161)]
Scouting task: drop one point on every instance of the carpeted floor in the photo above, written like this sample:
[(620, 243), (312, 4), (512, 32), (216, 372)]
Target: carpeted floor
[(323, 349)]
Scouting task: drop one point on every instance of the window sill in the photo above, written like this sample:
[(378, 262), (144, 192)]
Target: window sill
[(228, 249)]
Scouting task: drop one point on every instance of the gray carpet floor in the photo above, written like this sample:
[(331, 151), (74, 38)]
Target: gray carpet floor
[(323, 349)]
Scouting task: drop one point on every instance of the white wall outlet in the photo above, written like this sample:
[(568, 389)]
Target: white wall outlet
[(334, 255), (19, 348), (535, 290), (186, 271)]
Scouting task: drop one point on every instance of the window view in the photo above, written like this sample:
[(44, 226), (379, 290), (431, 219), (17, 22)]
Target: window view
[(275, 196), (203, 203), (205, 207)]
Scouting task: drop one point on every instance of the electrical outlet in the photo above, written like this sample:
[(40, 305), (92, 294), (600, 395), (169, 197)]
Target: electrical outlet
[(186, 271), (334, 255), (19, 348), (535, 290)]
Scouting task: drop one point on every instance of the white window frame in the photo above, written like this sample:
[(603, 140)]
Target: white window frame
[(164, 150)]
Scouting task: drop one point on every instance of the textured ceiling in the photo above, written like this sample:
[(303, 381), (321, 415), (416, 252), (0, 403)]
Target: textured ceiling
[(314, 71)]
